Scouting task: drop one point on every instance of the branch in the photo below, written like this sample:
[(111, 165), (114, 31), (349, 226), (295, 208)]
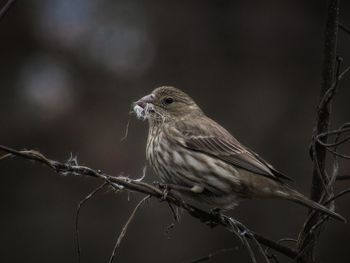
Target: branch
[(125, 228), (6, 7), (340, 194), (80, 205), (345, 128), (321, 183), (344, 28), (125, 183), (327, 85)]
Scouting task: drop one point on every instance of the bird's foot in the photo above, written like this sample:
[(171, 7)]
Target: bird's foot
[(216, 211), (165, 194), (217, 216), (159, 184), (164, 188)]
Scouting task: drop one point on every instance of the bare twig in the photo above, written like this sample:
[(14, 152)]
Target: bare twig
[(344, 28), (126, 131), (332, 90), (6, 7), (121, 182), (81, 203), (342, 75), (319, 163), (5, 156), (242, 233), (343, 129), (341, 155), (340, 194), (125, 228), (175, 212)]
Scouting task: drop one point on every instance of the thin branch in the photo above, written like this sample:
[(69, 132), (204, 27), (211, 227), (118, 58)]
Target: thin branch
[(341, 155), (5, 156), (340, 194), (121, 182), (342, 75), (332, 90), (335, 143), (174, 212), (343, 129), (318, 155), (81, 203), (125, 228), (242, 233), (126, 131), (6, 7), (344, 28)]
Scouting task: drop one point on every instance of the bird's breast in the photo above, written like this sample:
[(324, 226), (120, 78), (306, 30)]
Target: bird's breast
[(153, 149)]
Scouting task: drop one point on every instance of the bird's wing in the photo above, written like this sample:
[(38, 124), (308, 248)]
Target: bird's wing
[(216, 141)]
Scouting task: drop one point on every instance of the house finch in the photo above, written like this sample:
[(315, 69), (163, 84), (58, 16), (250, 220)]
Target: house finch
[(200, 159)]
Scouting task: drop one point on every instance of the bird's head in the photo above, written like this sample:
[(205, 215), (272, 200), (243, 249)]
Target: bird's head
[(165, 104)]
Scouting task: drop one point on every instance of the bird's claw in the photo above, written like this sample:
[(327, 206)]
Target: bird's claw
[(165, 190), (159, 185), (216, 212), (165, 194)]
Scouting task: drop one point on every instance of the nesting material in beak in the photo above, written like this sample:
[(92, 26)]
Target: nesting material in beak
[(143, 106)]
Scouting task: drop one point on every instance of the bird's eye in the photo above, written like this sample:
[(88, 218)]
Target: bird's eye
[(168, 101)]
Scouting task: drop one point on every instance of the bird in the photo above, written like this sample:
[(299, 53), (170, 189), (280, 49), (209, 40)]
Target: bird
[(201, 160)]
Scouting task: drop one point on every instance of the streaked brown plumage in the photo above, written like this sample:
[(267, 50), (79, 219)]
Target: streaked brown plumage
[(203, 160)]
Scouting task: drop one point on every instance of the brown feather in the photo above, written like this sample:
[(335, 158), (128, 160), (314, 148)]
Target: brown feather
[(190, 150)]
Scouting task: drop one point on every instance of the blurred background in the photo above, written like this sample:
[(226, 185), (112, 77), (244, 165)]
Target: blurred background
[(69, 73)]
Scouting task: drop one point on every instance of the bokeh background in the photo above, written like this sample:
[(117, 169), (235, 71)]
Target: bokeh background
[(71, 69)]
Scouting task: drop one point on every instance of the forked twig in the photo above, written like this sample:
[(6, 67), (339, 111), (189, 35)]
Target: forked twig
[(346, 191), (125, 228), (81, 203)]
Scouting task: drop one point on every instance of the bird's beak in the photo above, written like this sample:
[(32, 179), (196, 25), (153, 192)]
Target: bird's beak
[(144, 100)]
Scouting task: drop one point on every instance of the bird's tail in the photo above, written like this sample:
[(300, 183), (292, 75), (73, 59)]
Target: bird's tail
[(297, 197)]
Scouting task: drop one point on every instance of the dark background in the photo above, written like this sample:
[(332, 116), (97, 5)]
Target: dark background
[(71, 69)]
